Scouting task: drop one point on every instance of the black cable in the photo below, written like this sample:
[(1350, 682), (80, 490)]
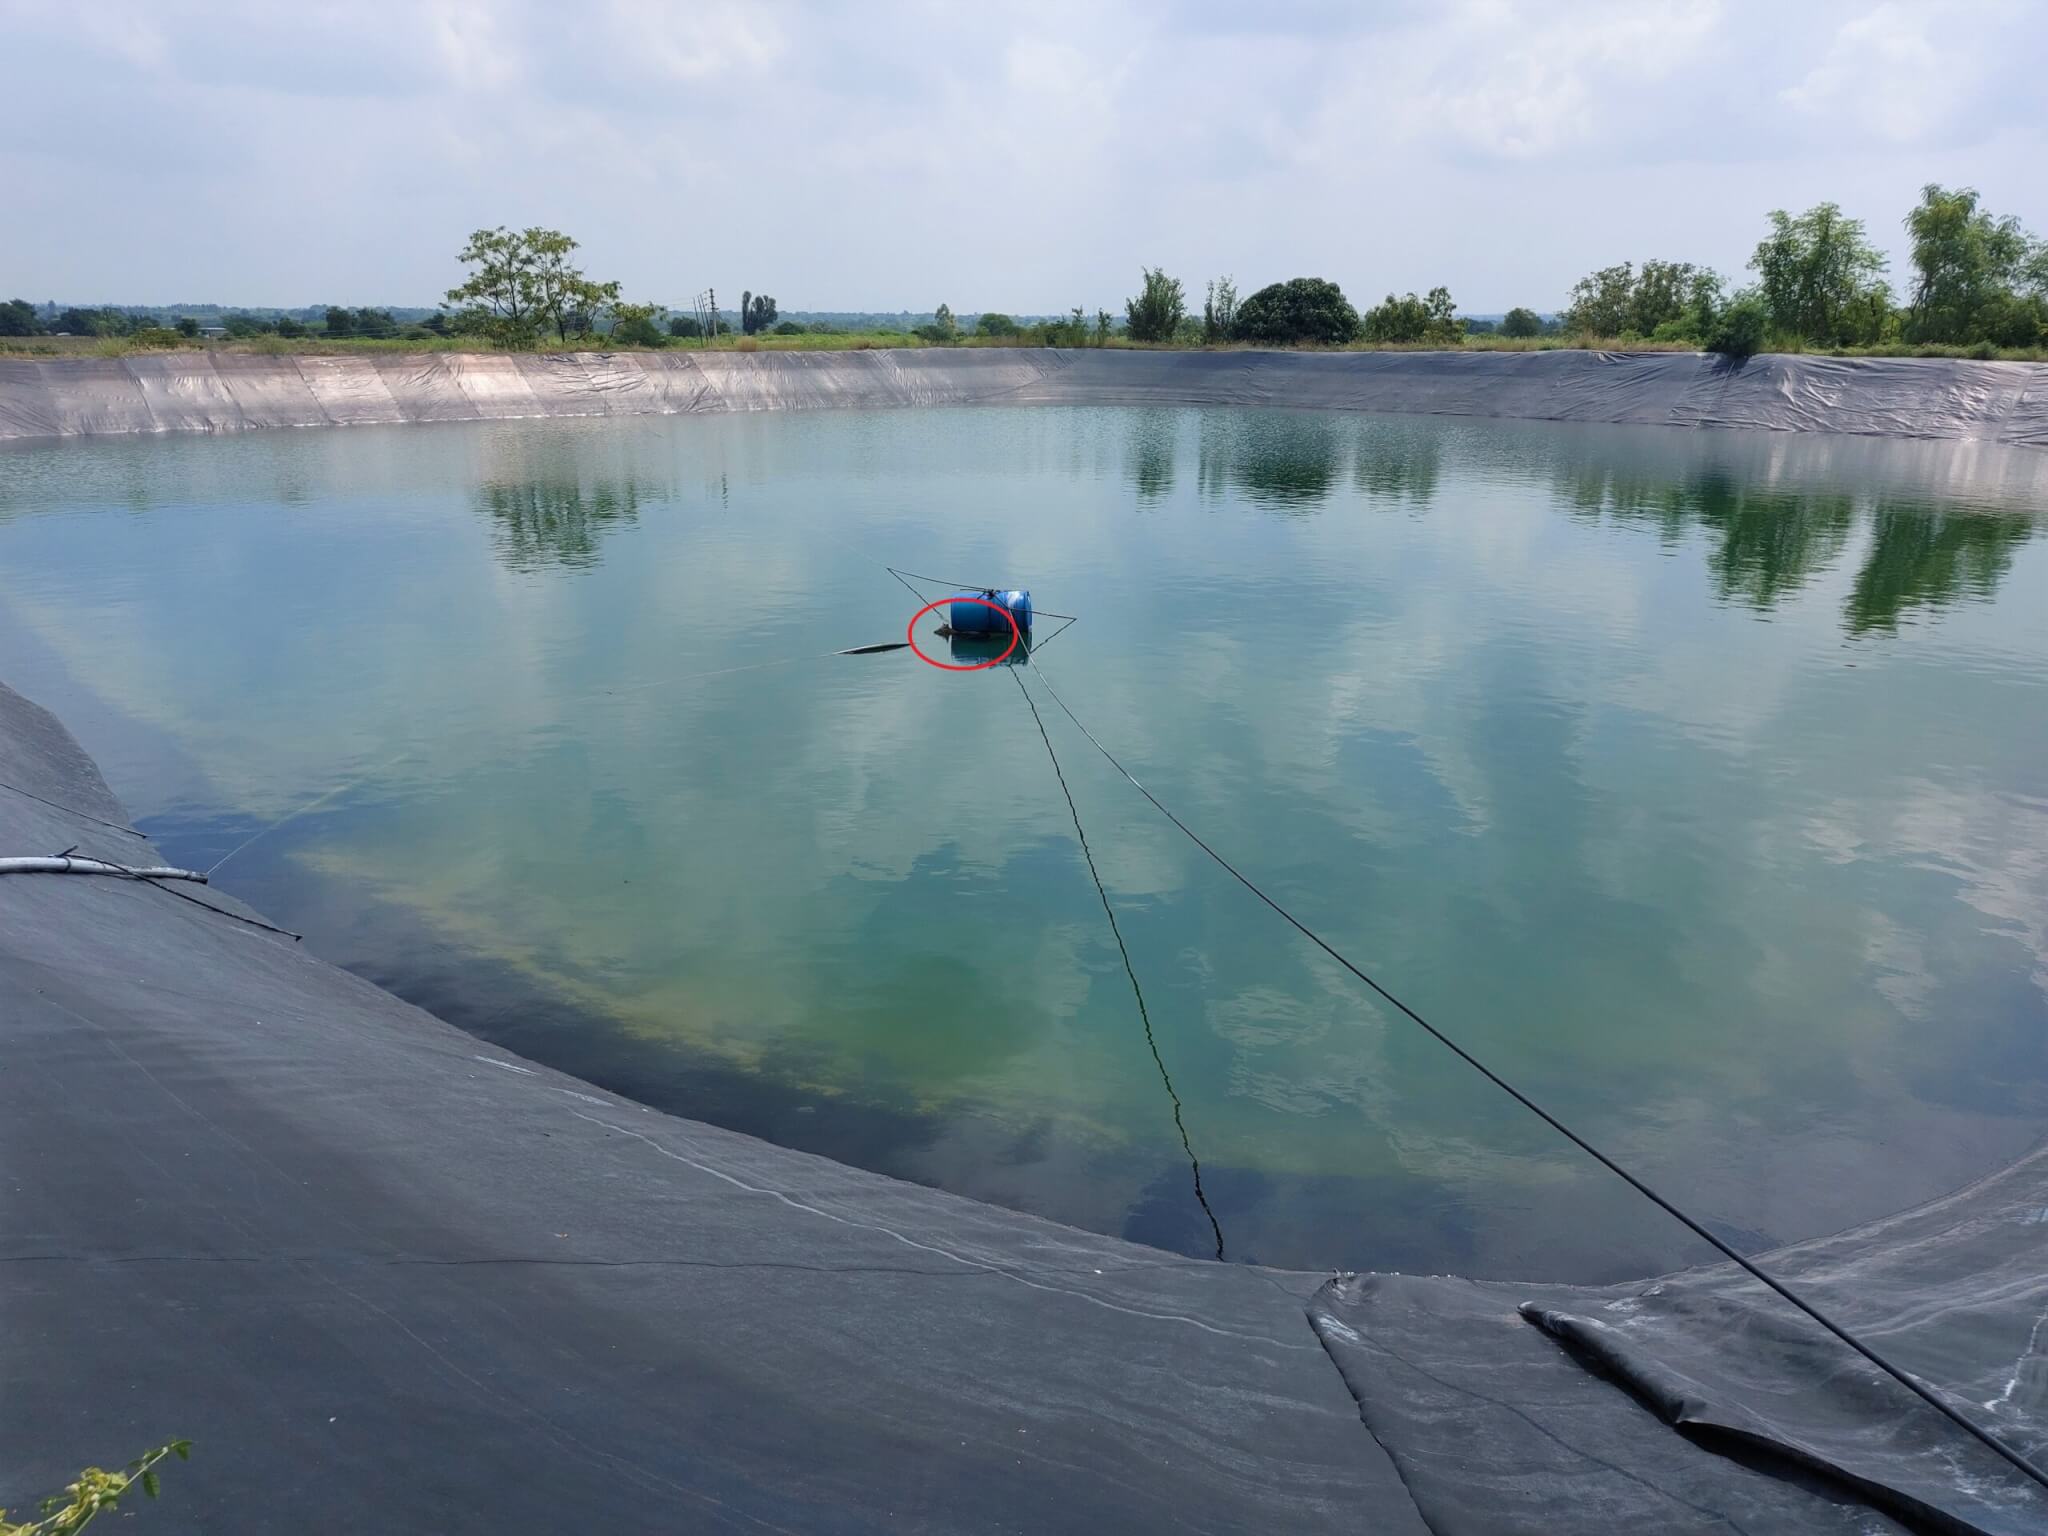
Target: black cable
[(1136, 991), (253, 922), (72, 810), (1989, 1440)]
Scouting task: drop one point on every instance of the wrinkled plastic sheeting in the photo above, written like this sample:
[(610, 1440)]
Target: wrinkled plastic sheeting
[(1503, 1403), (1935, 398)]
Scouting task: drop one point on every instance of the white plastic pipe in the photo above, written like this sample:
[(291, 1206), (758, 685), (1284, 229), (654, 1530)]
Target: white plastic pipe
[(67, 865)]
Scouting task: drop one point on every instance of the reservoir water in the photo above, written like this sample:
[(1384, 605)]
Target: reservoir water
[(1698, 782)]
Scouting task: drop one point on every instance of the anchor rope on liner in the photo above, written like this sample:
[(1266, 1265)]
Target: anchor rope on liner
[(1756, 1272), (72, 810), (1137, 991), (151, 875)]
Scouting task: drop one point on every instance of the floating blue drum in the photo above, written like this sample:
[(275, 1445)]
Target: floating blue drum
[(970, 614)]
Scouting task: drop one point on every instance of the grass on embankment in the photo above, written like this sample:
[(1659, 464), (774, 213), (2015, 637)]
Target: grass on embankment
[(862, 341)]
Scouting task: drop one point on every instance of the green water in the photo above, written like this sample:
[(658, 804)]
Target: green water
[(1699, 782)]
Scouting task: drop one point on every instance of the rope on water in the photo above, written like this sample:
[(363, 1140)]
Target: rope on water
[(1911, 1383), (1136, 991)]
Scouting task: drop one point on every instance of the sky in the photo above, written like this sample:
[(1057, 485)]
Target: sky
[(1025, 157)]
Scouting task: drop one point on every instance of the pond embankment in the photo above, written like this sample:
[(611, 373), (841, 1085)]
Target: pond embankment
[(214, 391)]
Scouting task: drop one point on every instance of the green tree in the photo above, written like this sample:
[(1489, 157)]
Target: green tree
[(995, 324), (1102, 324), (560, 296), (379, 323), (1738, 331), (685, 325), (634, 325), (90, 322), (1411, 320), (498, 294), (790, 328), (1521, 323), (1969, 268), (339, 321), (1673, 294), (1219, 310), (1302, 309), (757, 312), (187, 326), (18, 318), (1155, 313), (1602, 301), (290, 328), (1819, 278)]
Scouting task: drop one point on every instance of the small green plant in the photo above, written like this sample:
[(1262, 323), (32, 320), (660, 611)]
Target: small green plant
[(95, 1493)]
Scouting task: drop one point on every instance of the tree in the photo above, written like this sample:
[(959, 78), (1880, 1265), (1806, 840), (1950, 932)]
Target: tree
[(90, 322), (1155, 313), (339, 321), (1302, 309), (379, 323), (685, 325), (499, 292), (1219, 310), (289, 327), (187, 327), (1738, 331), (1601, 302), (1521, 323), (18, 318), (994, 324), (790, 328), (757, 312), (562, 297), (633, 325), (1433, 320), (1968, 268), (1673, 294), (1102, 323), (1818, 276)]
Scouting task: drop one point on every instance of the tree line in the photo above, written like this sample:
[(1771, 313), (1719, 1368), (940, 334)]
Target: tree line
[(1978, 282)]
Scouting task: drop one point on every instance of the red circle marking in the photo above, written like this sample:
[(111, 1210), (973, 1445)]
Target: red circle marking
[(947, 666)]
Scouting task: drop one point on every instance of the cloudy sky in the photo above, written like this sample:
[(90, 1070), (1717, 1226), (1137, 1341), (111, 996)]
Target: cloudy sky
[(1022, 156)]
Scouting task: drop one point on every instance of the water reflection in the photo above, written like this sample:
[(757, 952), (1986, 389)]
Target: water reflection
[(539, 523), (1927, 556), (1153, 447), (1769, 541), (1285, 461), (1398, 460)]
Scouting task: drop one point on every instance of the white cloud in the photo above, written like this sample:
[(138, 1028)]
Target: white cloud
[(1016, 156)]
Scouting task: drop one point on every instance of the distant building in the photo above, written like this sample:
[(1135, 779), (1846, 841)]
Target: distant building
[(210, 331)]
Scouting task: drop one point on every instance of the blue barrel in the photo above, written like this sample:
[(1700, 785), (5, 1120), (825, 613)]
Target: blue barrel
[(971, 614)]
